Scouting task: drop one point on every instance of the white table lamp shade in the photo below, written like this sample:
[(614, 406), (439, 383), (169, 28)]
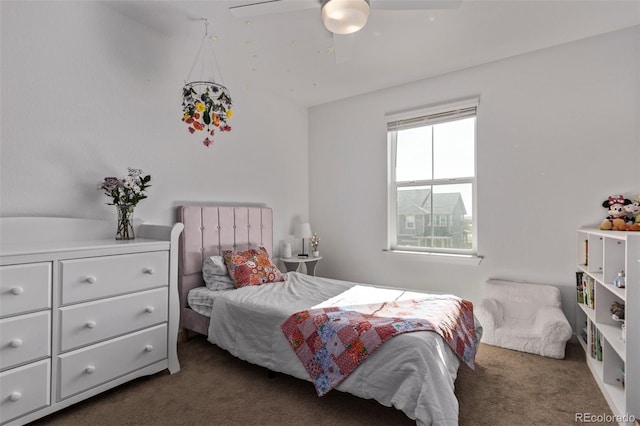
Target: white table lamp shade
[(302, 230)]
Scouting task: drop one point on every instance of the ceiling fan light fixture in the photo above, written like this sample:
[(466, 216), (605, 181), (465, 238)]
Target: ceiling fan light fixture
[(345, 16)]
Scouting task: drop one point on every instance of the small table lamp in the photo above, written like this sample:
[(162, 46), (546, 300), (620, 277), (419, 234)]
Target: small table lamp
[(302, 230)]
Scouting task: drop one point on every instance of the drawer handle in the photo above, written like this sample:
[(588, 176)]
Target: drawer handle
[(149, 309), (15, 396), (16, 343), (90, 369), (17, 291), (91, 279), (148, 271), (90, 324), (148, 348)]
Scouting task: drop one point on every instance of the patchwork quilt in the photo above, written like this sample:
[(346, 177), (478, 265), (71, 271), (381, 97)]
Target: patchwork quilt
[(332, 341)]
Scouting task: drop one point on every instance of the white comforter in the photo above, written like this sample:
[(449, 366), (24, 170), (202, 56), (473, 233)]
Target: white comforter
[(414, 372)]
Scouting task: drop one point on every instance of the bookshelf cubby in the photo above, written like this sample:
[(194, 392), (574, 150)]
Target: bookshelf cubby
[(614, 362)]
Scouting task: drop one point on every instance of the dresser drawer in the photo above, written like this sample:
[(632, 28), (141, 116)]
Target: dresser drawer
[(24, 389), (25, 288), (97, 277), (24, 338), (90, 322), (91, 366)]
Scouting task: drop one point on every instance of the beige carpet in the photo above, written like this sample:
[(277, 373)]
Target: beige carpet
[(213, 388)]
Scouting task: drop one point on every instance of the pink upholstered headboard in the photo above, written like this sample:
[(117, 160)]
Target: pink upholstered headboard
[(209, 231)]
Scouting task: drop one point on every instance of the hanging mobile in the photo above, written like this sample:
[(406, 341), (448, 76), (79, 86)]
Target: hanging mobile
[(206, 104)]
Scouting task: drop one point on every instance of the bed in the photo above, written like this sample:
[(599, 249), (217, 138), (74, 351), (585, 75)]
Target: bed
[(413, 372)]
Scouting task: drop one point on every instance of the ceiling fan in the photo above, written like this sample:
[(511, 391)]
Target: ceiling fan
[(342, 17)]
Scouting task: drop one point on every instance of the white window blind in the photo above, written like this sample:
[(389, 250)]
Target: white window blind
[(428, 120)]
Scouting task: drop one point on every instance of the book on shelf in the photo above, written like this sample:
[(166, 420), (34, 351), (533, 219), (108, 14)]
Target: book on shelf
[(588, 290), (586, 253), (596, 343), (583, 334), (579, 290)]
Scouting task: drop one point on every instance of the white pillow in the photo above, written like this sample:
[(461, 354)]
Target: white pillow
[(215, 274)]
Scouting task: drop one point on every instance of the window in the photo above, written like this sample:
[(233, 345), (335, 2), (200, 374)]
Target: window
[(432, 173), (410, 222)]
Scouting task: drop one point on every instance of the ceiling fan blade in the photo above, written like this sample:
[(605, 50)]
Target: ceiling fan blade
[(269, 7), (414, 4), (343, 47)]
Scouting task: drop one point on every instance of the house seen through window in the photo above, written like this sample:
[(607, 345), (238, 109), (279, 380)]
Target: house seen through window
[(432, 178)]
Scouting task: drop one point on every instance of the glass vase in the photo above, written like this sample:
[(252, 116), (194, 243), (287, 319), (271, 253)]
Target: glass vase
[(125, 222)]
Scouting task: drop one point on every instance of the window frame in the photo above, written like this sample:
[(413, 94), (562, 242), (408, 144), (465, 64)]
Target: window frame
[(432, 115)]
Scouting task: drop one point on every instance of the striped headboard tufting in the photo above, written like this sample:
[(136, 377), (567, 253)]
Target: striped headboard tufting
[(209, 231)]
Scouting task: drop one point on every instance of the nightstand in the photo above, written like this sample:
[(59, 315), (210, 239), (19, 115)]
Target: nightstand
[(293, 263)]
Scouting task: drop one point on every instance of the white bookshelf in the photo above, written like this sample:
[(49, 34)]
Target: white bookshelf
[(608, 253)]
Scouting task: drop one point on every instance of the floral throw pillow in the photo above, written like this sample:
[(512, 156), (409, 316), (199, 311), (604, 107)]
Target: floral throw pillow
[(251, 267)]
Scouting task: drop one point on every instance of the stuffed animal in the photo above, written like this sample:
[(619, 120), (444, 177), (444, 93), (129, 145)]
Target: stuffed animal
[(633, 215), (617, 215), (617, 311)]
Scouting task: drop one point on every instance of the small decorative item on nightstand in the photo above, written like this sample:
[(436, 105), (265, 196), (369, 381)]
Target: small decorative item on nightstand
[(286, 251), (315, 241), (126, 194)]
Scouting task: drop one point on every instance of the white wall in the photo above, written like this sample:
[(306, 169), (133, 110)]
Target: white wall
[(87, 92), (557, 134)]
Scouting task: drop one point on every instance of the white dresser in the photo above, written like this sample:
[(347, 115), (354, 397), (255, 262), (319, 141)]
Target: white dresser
[(81, 312)]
